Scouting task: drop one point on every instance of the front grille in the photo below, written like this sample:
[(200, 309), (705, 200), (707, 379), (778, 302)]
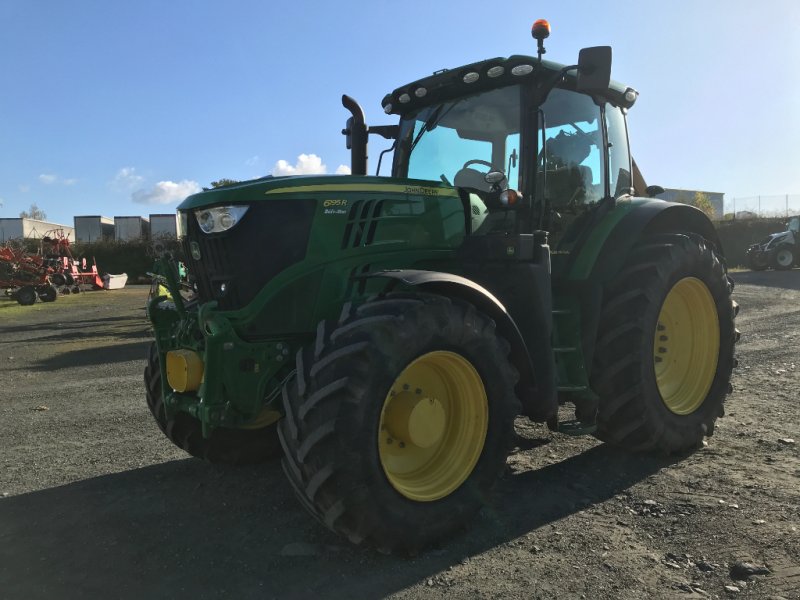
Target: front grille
[(236, 264)]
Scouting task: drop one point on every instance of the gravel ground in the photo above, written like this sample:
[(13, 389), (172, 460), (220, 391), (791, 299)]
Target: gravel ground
[(95, 502)]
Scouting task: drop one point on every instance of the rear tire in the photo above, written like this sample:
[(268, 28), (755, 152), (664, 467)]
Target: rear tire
[(783, 258), (353, 452), (228, 446), (47, 293), (665, 347)]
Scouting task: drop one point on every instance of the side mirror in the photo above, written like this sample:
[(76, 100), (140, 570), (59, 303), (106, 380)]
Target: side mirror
[(594, 68), (495, 179), (654, 190)]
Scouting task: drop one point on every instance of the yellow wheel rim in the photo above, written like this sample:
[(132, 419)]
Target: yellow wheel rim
[(433, 426), (686, 346)]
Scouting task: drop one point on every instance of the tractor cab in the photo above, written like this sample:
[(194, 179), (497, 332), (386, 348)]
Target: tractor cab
[(530, 145)]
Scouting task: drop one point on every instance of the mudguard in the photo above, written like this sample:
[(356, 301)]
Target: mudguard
[(536, 386), (610, 240)]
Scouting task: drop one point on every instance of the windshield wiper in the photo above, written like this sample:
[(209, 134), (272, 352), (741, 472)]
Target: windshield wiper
[(432, 121)]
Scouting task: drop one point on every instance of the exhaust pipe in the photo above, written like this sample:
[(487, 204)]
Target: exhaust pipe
[(356, 133)]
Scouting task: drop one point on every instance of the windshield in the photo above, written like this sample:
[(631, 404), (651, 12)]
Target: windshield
[(459, 142)]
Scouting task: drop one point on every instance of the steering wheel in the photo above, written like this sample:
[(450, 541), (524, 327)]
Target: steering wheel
[(478, 161)]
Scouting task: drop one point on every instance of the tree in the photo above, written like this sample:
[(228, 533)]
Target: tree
[(222, 182), (703, 202), (34, 212)]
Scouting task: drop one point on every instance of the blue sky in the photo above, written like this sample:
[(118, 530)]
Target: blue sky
[(122, 108)]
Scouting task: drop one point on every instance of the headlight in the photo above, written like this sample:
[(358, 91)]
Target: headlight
[(183, 224), (219, 218)]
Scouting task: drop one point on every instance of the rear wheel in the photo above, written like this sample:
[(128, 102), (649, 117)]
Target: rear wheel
[(783, 258), (47, 293), (230, 446), (665, 347), (399, 420), (26, 295)]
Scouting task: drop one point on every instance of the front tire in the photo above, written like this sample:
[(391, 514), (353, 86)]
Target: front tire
[(228, 446), (665, 348), (757, 262), (25, 295), (399, 420)]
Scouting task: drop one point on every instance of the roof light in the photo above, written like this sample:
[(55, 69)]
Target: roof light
[(520, 70), (420, 92), (471, 77), (631, 95), (404, 98), (496, 71), (388, 108), (540, 29)]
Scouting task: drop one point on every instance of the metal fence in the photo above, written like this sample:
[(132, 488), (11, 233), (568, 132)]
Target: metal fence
[(762, 206)]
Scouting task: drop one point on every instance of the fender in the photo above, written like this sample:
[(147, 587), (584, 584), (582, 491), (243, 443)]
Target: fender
[(610, 242), (536, 387), (611, 239)]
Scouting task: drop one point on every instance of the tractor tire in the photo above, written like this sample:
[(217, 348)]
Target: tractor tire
[(25, 295), (399, 420), (665, 348), (76, 289), (47, 293), (58, 279), (783, 258), (228, 446), (757, 262), (69, 279)]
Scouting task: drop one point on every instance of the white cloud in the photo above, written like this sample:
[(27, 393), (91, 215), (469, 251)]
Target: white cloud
[(252, 161), (307, 164), (166, 192), (343, 170), (126, 178), (50, 179)]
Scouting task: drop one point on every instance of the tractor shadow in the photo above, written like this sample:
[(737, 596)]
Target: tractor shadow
[(93, 355), (188, 529), (786, 280)]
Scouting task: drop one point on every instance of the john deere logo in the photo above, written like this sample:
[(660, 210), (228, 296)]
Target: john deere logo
[(195, 249)]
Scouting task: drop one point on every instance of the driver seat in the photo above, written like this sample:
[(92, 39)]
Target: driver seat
[(470, 178)]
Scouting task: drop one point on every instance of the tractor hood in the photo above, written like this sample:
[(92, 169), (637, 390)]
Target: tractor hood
[(266, 188)]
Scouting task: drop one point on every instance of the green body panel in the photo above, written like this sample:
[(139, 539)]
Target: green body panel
[(248, 352)]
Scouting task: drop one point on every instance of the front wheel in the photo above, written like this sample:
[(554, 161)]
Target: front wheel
[(757, 262), (665, 348), (25, 295), (783, 258), (229, 446), (399, 420)]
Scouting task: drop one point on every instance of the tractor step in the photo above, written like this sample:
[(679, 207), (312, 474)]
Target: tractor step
[(575, 427)]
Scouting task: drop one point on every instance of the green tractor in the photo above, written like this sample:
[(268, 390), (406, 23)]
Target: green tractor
[(383, 333)]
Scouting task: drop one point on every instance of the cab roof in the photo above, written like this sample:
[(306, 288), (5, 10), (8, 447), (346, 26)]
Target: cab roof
[(492, 73)]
